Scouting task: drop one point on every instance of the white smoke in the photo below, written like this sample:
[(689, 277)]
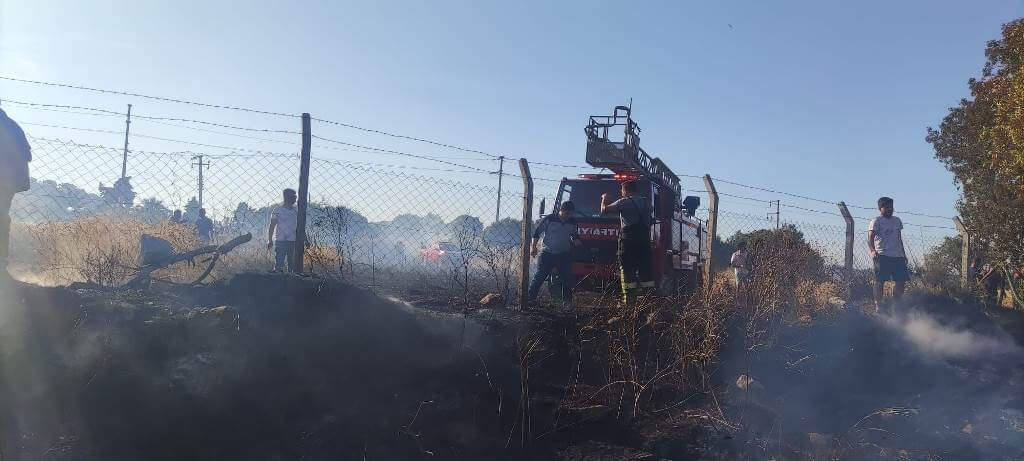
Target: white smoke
[(935, 339)]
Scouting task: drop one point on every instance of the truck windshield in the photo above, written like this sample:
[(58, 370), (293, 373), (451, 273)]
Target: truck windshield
[(586, 195)]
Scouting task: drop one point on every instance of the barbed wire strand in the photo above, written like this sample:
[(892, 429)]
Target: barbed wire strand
[(146, 96), (804, 197)]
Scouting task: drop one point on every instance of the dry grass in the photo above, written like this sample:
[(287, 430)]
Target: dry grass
[(653, 354), (100, 250)]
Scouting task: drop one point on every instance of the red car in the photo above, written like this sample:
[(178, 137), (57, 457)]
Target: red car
[(443, 252)]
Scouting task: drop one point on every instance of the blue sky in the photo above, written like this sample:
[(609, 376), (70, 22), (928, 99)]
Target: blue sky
[(827, 99)]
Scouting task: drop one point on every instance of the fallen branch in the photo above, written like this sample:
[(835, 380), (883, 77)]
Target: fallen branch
[(146, 271)]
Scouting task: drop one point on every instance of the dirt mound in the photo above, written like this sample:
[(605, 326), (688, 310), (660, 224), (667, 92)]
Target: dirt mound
[(263, 367)]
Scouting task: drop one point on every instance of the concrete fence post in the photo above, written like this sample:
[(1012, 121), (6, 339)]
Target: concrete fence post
[(848, 255), (965, 253), (709, 184), (527, 230), (303, 198)]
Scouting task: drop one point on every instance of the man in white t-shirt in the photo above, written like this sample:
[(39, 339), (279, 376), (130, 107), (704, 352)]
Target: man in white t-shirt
[(739, 266), (283, 222), (885, 246)]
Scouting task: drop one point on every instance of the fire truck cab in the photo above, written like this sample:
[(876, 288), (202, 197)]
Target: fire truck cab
[(675, 232)]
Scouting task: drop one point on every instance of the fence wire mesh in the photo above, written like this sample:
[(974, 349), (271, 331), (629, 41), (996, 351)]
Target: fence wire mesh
[(368, 224), (81, 222), (825, 245)]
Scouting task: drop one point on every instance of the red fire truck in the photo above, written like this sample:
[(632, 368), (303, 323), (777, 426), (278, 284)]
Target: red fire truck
[(675, 234)]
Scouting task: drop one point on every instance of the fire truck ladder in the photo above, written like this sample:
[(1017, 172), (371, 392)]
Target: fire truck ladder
[(627, 156)]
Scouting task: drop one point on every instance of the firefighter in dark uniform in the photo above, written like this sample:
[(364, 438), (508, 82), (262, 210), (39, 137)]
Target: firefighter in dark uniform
[(634, 240)]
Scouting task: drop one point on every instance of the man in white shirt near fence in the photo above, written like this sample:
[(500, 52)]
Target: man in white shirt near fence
[(283, 222), (738, 261), (885, 246)]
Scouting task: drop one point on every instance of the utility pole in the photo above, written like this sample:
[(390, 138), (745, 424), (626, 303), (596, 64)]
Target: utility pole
[(127, 125), (778, 211), (199, 162), (501, 172)]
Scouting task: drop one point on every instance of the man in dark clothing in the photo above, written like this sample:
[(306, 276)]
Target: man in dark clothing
[(15, 155), (560, 235), (634, 239), (204, 228), (992, 281)]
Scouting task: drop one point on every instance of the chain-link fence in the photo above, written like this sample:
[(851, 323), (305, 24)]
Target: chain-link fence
[(371, 225), (82, 222), (822, 248)]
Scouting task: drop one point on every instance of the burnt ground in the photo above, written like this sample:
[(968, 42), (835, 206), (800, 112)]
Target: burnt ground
[(277, 367)]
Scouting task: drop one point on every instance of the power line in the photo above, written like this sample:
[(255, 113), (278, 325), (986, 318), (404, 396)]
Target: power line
[(164, 120), (410, 138), (243, 109), (404, 154), (275, 154), (912, 213), (773, 191), (68, 111), (94, 130), (556, 165), (161, 120), (62, 106), (804, 197), (280, 141), (238, 135), (139, 95), (744, 198), (364, 149), (157, 138), (221, 125), (404, 167)]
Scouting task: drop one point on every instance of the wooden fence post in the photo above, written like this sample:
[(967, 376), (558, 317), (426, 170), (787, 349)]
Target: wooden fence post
[(965, 253), (848, 257), (527, 228), (303, 202), (712, 230)]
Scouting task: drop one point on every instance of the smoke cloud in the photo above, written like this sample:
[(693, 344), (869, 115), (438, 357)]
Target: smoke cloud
[(935, 339)]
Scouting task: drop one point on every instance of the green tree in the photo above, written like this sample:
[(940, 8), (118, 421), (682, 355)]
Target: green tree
[(981, 141), (942, 263), (191, 211), (465, 225), (722, 251), (120, 193), (152, 210), (504, 233)]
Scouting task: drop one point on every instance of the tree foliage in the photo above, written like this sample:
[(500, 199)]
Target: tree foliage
[(981, 141), (504, 233), (152, 210), (120, 193), (764, 244), (191, 210), (942, 264), (465, 225)]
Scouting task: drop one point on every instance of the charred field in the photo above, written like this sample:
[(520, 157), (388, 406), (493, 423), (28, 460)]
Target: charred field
[(281, 367)]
